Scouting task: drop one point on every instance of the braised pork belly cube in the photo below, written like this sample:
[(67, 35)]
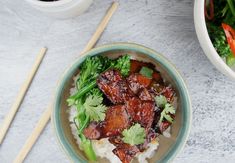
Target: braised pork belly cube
[(93, 131), (116, 121), (126, 152), (144, 95), (137, 81), (114, 86), (141, 112)]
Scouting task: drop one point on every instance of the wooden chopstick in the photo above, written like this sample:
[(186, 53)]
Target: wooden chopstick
[(11, 114), (47, 114), (41, 124), (100, 28)]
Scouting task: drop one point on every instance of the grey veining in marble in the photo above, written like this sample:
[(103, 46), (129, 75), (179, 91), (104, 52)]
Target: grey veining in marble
[(164, 25)]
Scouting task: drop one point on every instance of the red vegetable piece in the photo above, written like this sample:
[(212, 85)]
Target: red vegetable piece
[(230, 35)]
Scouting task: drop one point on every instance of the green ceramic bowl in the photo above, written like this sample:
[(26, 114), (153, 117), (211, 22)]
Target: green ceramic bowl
[(169, 147)]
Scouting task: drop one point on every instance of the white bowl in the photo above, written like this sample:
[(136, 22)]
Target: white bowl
[(205, 42), (62, 8)]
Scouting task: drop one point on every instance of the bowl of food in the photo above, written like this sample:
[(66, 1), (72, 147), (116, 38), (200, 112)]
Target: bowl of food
[(122, 102), (215, 27), (61, 8)]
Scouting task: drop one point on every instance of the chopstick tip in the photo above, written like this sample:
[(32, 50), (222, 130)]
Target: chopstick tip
[(115, 3)]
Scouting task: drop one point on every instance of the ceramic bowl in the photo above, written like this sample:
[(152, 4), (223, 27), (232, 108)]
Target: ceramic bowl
[(205, 42), (62, 8), (169, 147)]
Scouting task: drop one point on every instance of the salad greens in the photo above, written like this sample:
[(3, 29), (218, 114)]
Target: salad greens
[(134, 135), (221, 27), (88, 98)]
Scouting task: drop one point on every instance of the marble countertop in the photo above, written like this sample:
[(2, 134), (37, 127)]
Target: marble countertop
[(166, 26)]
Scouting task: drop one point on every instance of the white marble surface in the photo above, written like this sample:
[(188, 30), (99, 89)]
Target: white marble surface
[(166, 26)]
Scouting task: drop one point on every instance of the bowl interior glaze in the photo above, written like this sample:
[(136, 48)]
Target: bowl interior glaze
[(168, 147)]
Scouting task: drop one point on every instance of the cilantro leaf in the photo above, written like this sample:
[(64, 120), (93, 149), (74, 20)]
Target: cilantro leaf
[(134, 135), (94, 108), (161, 101), (165, 113)]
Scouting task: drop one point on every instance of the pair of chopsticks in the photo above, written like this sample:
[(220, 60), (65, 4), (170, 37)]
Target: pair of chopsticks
[(47, 114)]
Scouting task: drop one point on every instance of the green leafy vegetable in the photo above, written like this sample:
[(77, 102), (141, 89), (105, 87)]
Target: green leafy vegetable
[(218, 39), (88, 98), (86, 145), (161, 101), (224, 12), (89, 70), (168, 108), (145, 71), (231, 6), (72, 99), (230, 60), (86, 84), (134, 135), (123, 64), (94, 108)]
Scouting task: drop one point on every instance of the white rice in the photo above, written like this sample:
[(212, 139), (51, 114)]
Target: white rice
[(103, 148)]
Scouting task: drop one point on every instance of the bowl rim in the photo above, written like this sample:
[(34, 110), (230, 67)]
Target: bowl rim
[(50, 4), (186, 113), (205, 41)]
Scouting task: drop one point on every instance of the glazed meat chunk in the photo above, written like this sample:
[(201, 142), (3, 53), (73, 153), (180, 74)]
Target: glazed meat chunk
[(93, 131), (145, 95), (114, 87), (116, 121), (126, 152), (157, 89), (137, 81), (141, 112)]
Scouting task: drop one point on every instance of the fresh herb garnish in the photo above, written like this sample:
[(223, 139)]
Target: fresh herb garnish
[(134, 135), (160, 101), (94, 108), (168, 109), (147, 72), (123, 64)]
